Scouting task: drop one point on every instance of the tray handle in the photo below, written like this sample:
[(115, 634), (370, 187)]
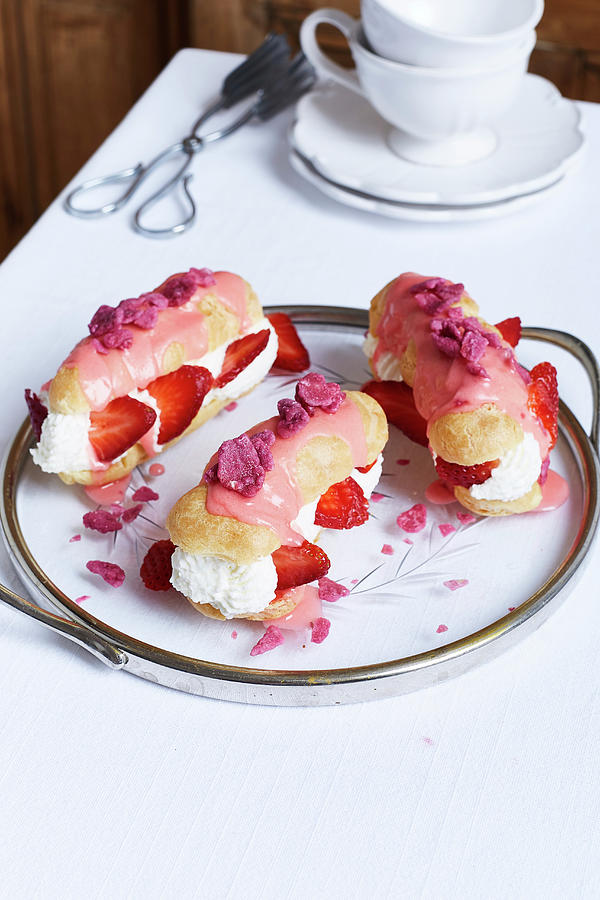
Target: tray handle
[(583, 355), (102, 650)]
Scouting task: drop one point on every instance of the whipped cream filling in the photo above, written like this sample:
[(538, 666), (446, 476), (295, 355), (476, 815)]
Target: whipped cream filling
[(515, 475), (64, 445), (246, 589), (232, 589), (387, 366)]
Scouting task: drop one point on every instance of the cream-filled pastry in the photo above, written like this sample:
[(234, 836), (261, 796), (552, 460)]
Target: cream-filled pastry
[(244, 537), (152, 369), (453, 382)]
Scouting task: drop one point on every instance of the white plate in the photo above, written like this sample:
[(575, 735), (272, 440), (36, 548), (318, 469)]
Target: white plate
[(413, 212), (401, 602), (346, 140)]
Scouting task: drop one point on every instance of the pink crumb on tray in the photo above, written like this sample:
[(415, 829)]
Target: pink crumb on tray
[(330, 590), (231, 406), (446, 528), (414, 519), (76, 537), (465, 518), (271, 638), (455, 583), (101, 520), (387, 550), (131, 513), (441, 629), (144, 494), (320, 630), (110, 572)]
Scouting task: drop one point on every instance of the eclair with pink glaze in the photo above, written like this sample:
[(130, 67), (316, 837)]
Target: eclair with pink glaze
[(151, 370), (489, 423), (244, 537)]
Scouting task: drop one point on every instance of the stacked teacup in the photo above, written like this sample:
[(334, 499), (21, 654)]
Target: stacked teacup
[(441, 72)]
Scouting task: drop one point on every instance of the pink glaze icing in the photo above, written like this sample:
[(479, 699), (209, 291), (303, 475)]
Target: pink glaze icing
[(555, 492), (105, 494), (442, 384), (308, 609), (104, 376), (279, 501)]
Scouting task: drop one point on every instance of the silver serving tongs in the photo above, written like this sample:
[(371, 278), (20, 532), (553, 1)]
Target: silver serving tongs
[(268, 73)]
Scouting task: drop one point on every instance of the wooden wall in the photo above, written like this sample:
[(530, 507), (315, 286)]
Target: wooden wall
[(70, 69)]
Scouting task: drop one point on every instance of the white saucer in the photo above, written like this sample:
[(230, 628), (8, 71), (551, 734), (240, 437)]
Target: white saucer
[(346, 141), (413, 212)]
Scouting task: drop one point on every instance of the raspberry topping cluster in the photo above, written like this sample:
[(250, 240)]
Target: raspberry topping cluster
[(106, 326), (459, 335), (312, 392)]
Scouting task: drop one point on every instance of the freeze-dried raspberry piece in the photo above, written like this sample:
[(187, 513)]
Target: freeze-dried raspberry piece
[(104, 320), (262, 443), (465, 518), (146, 317), (455, 583), (414, 519), (435, 294), (131, 513), (271, 638), (110, 572), (446, 528), (473, 346), (156, 569), (204, 277), (118, 339), (101, 520), (179, 288), (314, 392), (387, 550), (465, 476), (292, 417), (320, 630), (239, 467), (144, 494), (441, 629), (37, 412), (330, 590)]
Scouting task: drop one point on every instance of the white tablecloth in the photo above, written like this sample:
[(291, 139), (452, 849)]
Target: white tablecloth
[(486, 786)]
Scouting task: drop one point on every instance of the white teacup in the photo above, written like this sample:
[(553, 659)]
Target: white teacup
[(440, 116), (448, 33)]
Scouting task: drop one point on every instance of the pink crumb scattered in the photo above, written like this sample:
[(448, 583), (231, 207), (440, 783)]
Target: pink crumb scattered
[(446, 528), (465, 518), (320, 630), (110, 572), (403, 462), (156, 469), (354, 581), (271, 638), (511, 608), (131, 513), (428, 741), (82, 598), (101, 520), (455, 583), (76, 537), (413, 519), (144, 494), (408, 541), (230, 408), (330, 590), (441, 629), (375, 497), (234, 635), (387, 549)]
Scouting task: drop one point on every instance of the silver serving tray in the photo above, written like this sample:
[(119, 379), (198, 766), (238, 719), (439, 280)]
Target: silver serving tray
[(319, 687)]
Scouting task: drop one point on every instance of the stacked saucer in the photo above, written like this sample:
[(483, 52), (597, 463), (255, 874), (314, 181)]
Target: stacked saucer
[(339, 144), (438, 121)]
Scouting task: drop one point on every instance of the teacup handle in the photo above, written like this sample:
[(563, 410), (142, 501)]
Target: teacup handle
[(308, 40)]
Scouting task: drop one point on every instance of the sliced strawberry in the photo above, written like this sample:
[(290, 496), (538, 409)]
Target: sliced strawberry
[(119, 426), (344, 505), (396, 399), (299, 565), (543, 398), (510, 329), (179, 396), (466, 476), (292, 355), (240, 354), (365, 469), (156, 569)]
